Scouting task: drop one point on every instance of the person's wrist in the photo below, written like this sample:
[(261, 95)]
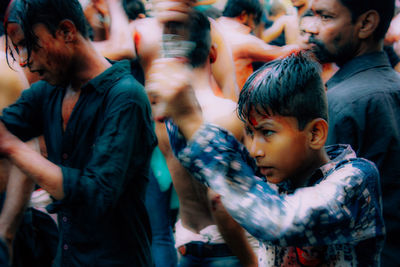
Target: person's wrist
[(189, 123), (6, 232), (10, 146)]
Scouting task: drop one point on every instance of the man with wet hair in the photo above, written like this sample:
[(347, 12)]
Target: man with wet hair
[(96, 122)]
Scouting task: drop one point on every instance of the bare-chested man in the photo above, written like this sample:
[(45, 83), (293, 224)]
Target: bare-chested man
[(147, 34), (240, 17), (100, 151), (200, 211), (287, 24)]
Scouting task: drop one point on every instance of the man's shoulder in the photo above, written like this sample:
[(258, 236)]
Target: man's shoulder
[(40, 88), (364, 86), (365, 74), (126, 88), (121, 79), (369, 78)]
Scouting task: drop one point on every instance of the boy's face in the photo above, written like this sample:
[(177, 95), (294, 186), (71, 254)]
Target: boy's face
[(48, 56), (278, 146)]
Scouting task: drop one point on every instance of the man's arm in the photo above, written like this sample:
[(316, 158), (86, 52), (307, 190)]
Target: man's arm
[(32, 163), (223, 69), (18, 193), (273, 32), (255, 49), (233, 234), (288, 24), (100, 182), (120, 44)]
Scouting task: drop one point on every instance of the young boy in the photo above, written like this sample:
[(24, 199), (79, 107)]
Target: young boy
[(308, 204)]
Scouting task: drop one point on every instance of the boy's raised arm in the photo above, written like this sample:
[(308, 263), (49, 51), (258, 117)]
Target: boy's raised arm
[(169, 84), (169, 88)]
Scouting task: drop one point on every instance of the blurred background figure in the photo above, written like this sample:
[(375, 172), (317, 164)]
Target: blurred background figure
[(29, 232)]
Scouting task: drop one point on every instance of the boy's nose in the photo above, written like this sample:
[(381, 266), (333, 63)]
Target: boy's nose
[(255, 148)]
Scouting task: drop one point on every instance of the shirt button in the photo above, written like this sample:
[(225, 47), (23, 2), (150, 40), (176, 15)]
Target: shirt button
[(65, 247), (65, 219), (64, 155)]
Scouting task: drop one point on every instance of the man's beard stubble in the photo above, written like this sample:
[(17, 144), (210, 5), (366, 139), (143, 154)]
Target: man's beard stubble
[(341, 56)]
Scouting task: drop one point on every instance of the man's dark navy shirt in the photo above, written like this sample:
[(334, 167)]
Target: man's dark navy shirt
[(364, 111), (104, 155)]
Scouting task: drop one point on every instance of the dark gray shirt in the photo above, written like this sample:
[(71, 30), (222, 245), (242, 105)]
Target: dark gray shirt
[(104, 155), (364, 111)]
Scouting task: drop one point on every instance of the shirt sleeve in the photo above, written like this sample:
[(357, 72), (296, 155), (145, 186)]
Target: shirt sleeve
[(120, 154), (23, 118), (326, 213)]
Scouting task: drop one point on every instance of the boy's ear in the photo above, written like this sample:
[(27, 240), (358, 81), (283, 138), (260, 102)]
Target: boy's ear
[(317, 133), (67, 30)]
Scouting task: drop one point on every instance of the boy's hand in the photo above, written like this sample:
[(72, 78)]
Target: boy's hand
[(173, 10), (169, 88), (171, 94)]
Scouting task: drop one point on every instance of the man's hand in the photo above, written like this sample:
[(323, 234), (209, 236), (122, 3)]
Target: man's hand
[(171, 94)]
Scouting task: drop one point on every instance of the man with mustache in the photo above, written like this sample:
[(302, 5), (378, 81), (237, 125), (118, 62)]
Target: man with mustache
[(364, 95)]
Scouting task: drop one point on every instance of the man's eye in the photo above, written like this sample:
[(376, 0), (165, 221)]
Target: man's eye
[(267, 133), (325, 17)]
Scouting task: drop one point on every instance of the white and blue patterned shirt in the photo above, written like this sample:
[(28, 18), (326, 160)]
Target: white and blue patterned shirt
[(336, 220)]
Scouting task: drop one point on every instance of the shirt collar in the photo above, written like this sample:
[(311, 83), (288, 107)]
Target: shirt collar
[(104, 80), (337, 155), (359, 64)]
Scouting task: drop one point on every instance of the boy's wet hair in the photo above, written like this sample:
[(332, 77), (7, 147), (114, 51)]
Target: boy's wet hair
[(28, 13), (290, 87), (234, 8)]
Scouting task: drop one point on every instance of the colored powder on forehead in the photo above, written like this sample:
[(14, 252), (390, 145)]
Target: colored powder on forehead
[(253, 120)]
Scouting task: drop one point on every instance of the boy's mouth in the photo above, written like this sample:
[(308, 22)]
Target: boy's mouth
[(265, 170)]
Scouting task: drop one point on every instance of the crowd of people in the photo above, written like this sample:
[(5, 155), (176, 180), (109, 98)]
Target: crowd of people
[(199, 133)]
